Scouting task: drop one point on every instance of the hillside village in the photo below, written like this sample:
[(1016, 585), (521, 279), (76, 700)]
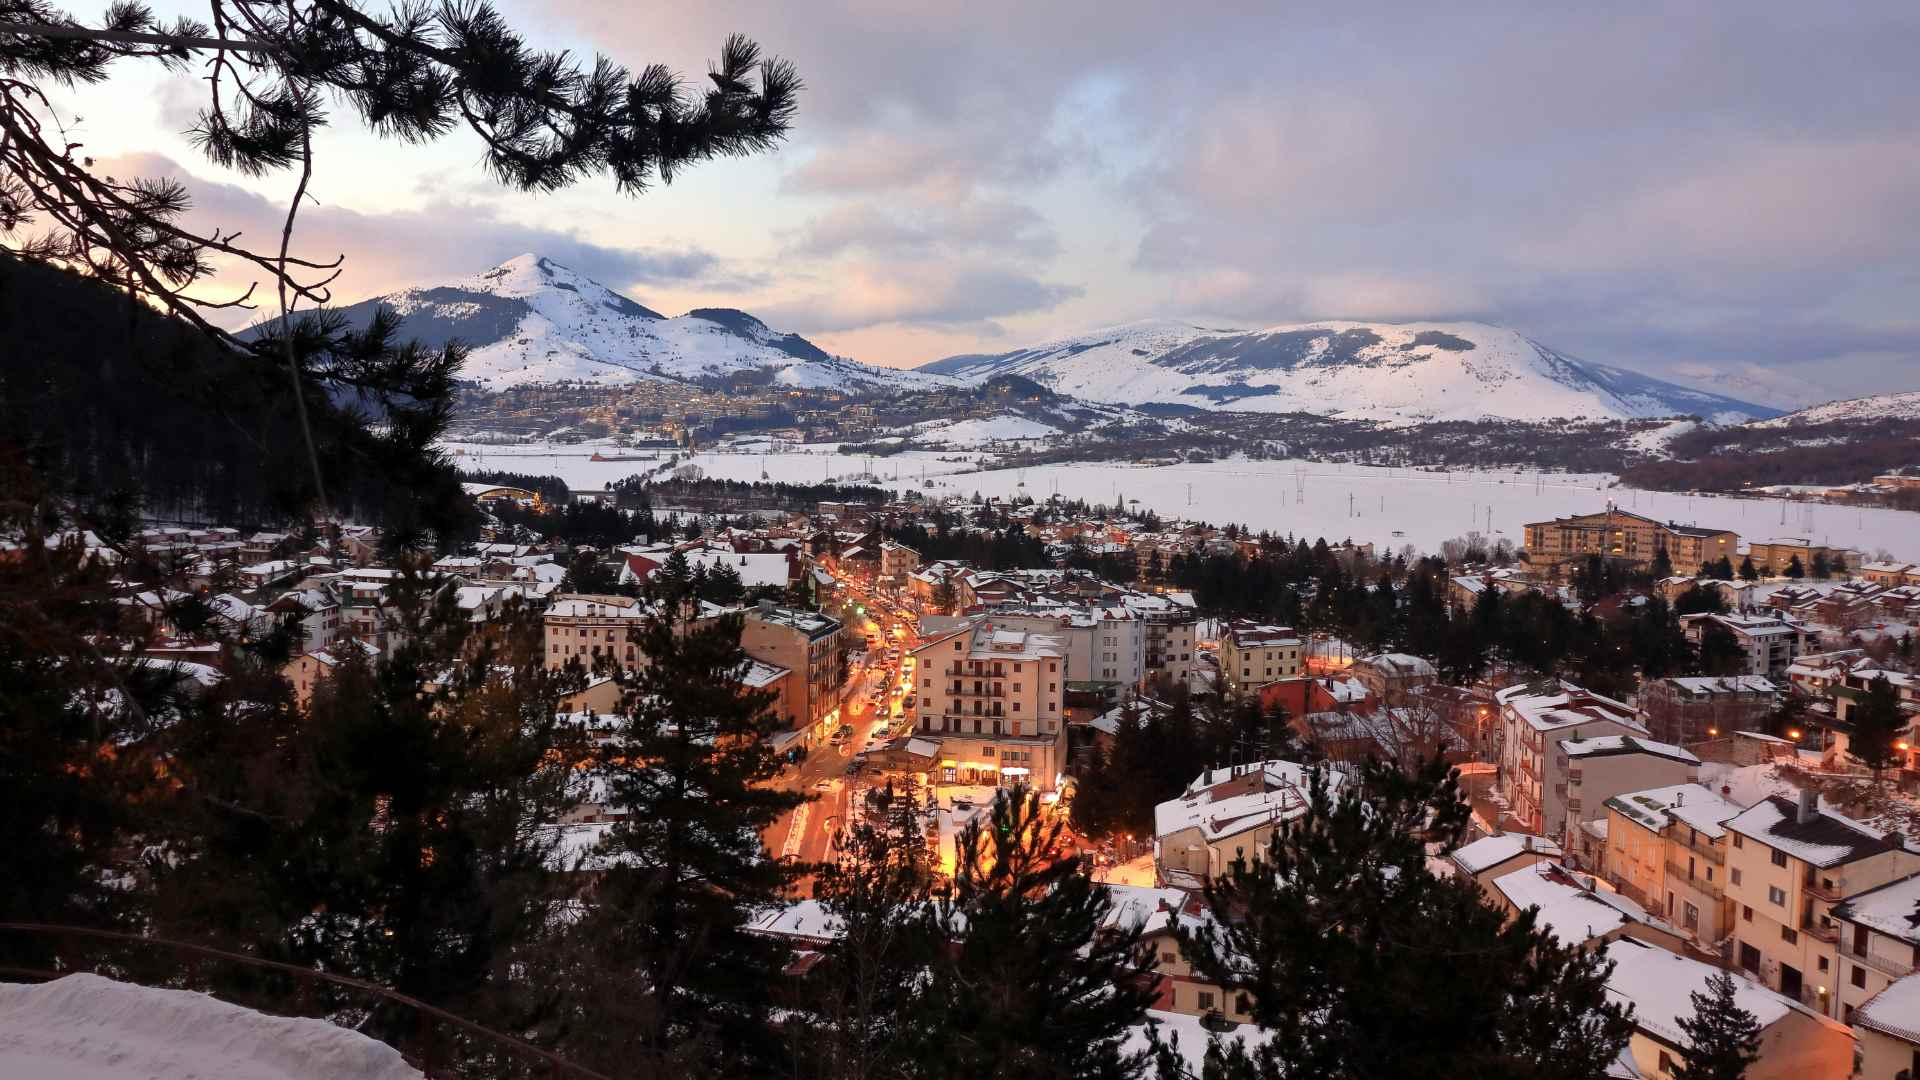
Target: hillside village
[(1717, 813)]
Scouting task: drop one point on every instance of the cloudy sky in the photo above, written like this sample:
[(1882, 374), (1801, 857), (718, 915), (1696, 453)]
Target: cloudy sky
[(1727, 190)]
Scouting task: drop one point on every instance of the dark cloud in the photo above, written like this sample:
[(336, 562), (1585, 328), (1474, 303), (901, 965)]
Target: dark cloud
[(1657, 185)]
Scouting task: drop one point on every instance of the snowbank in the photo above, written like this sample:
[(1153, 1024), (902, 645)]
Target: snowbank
[(84, 1027)]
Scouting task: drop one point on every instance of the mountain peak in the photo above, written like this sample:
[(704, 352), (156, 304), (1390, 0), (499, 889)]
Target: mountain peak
[(531, 320)]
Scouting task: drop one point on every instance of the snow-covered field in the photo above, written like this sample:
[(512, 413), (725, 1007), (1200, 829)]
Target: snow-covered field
[(1389, 507), (84, 1027), (978, 432)]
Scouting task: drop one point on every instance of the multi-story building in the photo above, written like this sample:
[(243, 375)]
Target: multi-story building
[(1666, 847), (1583, 773), (806, 643), (1879, 943), (1226, 814), (1169, 627), (1254, 654), (1534, 719), (993, 699), (1857, 681), (586, 626), (897, 563), (1625, 536), (1103, 644), (1771, 644), (1689, 709), (1790, 864), (315, 615), (1390, 677), (1774, 556)]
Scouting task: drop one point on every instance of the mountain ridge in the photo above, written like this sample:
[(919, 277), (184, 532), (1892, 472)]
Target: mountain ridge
[(1396, 373)]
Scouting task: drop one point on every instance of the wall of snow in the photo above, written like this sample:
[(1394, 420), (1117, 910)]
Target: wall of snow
[(84, 1027)]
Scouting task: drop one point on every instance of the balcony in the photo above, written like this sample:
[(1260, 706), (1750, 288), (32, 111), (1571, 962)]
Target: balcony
[(1677, 872), (983, 692), (1885, 965), (1828, 934), (1704, 850), (1831, 893)]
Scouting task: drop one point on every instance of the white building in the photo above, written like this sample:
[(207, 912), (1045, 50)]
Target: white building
[(1534, 719)]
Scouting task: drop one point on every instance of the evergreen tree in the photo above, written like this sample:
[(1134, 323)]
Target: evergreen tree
[(586, 573), (1821, 570), (388, 830), (1700, 599), (723, 585), (1877, 721), (945, 599), (1720, 652), (1359, 962), (1723, 569), (1794, 570), (662, 975), (860, 1000), (1662, 565), (1037, 985), (1748, 572), (1723, 1039)]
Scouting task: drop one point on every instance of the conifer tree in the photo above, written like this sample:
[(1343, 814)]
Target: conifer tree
[(1723, 1039), (1748, 572), (1794, 569), (1877, 721), (1359, 962), (1036, 984), (662, 974)]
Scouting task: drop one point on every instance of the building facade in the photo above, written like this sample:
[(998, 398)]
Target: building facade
[(993, 699), (1625, 536)]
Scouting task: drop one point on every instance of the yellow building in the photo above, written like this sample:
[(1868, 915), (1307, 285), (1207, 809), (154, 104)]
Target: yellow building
[(1632, 538)]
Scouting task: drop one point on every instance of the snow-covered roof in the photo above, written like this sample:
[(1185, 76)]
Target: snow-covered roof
[(1571, 914), (1615, 745), (1550, 704), (1660, 985), (94, 1028), (1829, 839), (1894, 1011), (1225, 802), (1892, 909), (1694, 805), (1490, 851)]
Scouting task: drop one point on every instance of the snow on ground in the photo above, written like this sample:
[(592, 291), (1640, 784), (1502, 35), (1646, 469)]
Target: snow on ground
[(1655, 440), (990, 429), (84, 1027), (1388, 507)]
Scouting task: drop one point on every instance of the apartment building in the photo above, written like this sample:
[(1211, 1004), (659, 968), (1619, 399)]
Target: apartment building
[(1583, 773), (1790, 864), (993, 700), (1774, 556), (1168, 628), (1690, 709), (1666, 847), (806, 643), (1534, 719), (1771, 644), (897, 562), (1102, 644), (1390, 677), (1626, 536), (1223, 815), (1254, 654), (1879, 943), (586, 626)]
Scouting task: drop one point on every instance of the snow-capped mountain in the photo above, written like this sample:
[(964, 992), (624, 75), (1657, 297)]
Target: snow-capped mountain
[(531, 320), (1904, 406), (1399, 373)]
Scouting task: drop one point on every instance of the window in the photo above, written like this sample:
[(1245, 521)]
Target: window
[(1859, 977), (1823, 962), (1206, 999), (1166, 958), (1789, 935), (1746, 913), (1242, 1005), (1735, 875), (1736, 840), (1666, 1063), (1779, 858), (1776, 896)]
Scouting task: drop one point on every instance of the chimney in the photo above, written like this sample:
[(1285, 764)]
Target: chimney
[(1726, 790), (1809, 806)]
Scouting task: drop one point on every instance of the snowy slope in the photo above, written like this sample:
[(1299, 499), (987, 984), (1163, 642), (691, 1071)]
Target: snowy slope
[(1879, 407), (531, 320), (1401, 373), (84, 1027)]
